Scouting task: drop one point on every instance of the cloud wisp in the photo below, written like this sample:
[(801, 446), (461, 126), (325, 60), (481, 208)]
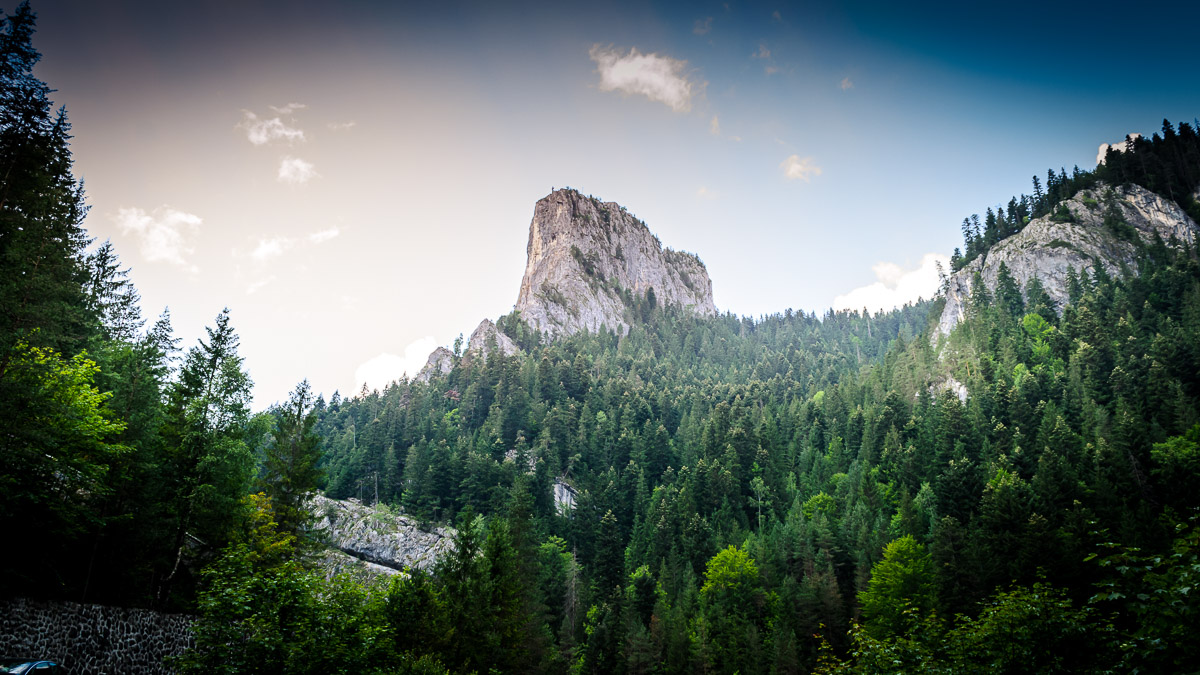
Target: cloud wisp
[(703, 26), (260, 284), (261, 131), (288, 109), (895, 286), (274, 247), (163, 234), (658, 78), (796, 167), (324, 235), (846, 84), (765, 54), (270, 248), (386, 368), (296, 171)]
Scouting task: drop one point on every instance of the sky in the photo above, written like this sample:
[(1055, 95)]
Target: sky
[(355, 180)]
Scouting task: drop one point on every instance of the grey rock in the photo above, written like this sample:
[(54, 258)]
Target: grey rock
[(948, 383), (440, 361), (582, 250), (483, 336), (564, 496), (1046, 248), (377, 536), (334, 562)]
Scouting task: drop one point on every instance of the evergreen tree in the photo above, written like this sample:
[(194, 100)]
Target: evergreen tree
[(290, 471)]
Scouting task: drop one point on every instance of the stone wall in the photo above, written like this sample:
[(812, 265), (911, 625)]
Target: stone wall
[(93, 639)]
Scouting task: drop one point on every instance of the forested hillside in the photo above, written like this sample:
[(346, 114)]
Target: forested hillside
[(785, 494)]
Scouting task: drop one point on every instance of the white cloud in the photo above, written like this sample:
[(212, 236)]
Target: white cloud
[(895, 285), (802, 168), (342, 126), (846, 83), (261, 131), (714, 127), (270, 248), (296, 171), (702, 26), (324, 235), (162, 234), (1119, 146), (386, 367), (658, 78), (288, 109)]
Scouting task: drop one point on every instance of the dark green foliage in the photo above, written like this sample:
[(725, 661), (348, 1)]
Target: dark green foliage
[(735, 484), (289, 473)]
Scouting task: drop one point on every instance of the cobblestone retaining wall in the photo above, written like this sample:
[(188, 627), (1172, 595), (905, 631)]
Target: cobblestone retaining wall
[(93, 639)]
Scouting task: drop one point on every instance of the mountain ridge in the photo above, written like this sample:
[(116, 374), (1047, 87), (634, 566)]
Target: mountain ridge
[(1096, 226)]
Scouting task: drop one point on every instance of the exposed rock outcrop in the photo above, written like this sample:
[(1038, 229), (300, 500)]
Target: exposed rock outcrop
[(440, 361), (378, 537), (564, 496), (1046, 248), (583, 253), (483, 340), (486, 337)]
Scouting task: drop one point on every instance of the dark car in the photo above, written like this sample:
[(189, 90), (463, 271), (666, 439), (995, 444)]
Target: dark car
[(30, 667)]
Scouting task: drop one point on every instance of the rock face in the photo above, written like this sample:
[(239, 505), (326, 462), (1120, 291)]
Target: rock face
[(583, 252), (441, 360), (1046, 248), (564, 497), (481, 341), (374, 536)]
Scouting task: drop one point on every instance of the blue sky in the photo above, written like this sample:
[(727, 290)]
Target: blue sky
[(803, 151)]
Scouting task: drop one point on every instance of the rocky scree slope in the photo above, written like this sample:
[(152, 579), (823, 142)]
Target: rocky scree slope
[(583, 252), (1045, 248)]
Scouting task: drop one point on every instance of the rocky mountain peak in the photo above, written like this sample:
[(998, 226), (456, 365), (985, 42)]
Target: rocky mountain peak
[(1049, 245), (487, 337), (587, 259)]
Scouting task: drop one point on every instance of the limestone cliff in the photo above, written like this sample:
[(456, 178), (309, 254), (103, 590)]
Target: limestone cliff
[(1047, 247), (583, 253)]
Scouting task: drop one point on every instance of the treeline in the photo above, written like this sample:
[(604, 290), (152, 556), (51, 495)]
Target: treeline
[(124, 464), (1167, 163)]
